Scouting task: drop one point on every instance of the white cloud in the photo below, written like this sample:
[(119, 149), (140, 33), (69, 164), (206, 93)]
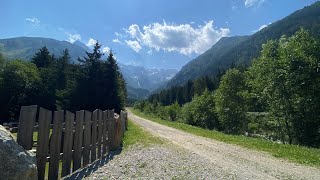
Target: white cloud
[(117, 41), (261, 27), (91, 42), (182, 38), (135, 45), (106, 50), (34, 21), (251, 3), (150, 52), (73, 37)]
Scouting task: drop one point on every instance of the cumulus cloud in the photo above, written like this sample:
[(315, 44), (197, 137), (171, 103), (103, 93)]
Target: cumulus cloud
[(134, 45), (106, 50), (182, 38), (251, 3), (73, 37), (91, 42), (34, 21)]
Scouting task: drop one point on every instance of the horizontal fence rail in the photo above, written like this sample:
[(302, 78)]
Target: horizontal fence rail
[(66, 141)]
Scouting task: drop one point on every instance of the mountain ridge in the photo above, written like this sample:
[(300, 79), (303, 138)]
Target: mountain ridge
[(248, 49), (25, 47)]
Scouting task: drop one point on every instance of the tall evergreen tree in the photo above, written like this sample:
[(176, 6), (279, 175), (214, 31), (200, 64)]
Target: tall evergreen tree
[(42, 58)]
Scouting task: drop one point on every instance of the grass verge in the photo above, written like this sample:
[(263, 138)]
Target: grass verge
[(294, 153), (137, 135)]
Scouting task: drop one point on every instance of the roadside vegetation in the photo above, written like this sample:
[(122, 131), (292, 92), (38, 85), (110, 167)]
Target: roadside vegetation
[(277, 97), (137, 135), (294, 153)]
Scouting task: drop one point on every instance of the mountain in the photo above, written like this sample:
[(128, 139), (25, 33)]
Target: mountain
[(25, 47), (149, 79), (137, 93), (241, 50), (140, 81), (85, 47)]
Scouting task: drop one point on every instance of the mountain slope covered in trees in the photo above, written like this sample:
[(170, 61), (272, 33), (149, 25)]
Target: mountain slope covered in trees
[(140, 81), (241, 50), (25, 47)]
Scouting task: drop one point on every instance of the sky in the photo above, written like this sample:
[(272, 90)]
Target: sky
[(162, 34)]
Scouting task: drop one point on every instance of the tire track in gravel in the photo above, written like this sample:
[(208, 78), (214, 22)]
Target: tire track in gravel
[(241, 162)]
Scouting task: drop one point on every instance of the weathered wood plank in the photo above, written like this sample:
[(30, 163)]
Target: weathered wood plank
[(117, 133), (104, 132), (68, 142), (123, 124), (77, 143), (44, 121), (94, 136), (109, 131), (27, 120), (99, 139), (55, 145), (113, 130), (87, 138)]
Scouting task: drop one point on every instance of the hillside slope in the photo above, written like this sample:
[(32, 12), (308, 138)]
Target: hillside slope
[(241, 50), (25, 47)]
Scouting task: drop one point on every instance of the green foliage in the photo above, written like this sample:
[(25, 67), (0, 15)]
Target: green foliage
[(173, 111), (183, 94), (19, 81), (42, 58), (277, 98), (55, 83), (201, 112), (230, 102), (99, 85), (286, 76)]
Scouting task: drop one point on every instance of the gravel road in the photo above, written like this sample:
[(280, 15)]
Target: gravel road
[(186, 156), (240, 162)]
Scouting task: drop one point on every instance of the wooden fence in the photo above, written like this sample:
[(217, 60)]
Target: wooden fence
[(73, 140)]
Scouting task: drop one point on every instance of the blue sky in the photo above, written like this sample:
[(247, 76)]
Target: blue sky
[(151, 33)]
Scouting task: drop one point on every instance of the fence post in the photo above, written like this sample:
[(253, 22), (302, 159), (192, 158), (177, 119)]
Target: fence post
[(126, 121), (55, 145), (94, 136), (99, 132), (26, 123), (104, 132), (44, 122), (87, 138), (67, 146), (77, 143)]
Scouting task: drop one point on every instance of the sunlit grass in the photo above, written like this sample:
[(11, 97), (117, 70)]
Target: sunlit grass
[(137, 135), (294, 153)]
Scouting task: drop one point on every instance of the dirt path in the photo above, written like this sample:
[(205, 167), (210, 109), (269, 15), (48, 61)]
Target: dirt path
[(240, 162)]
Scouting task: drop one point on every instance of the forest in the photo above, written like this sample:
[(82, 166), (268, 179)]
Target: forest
[(277, 97), (55, 83)]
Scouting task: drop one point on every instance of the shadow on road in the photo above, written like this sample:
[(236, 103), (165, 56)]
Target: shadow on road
[(86, 171)]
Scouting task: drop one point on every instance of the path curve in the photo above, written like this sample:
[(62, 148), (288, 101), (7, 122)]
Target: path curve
[(241, 162)]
